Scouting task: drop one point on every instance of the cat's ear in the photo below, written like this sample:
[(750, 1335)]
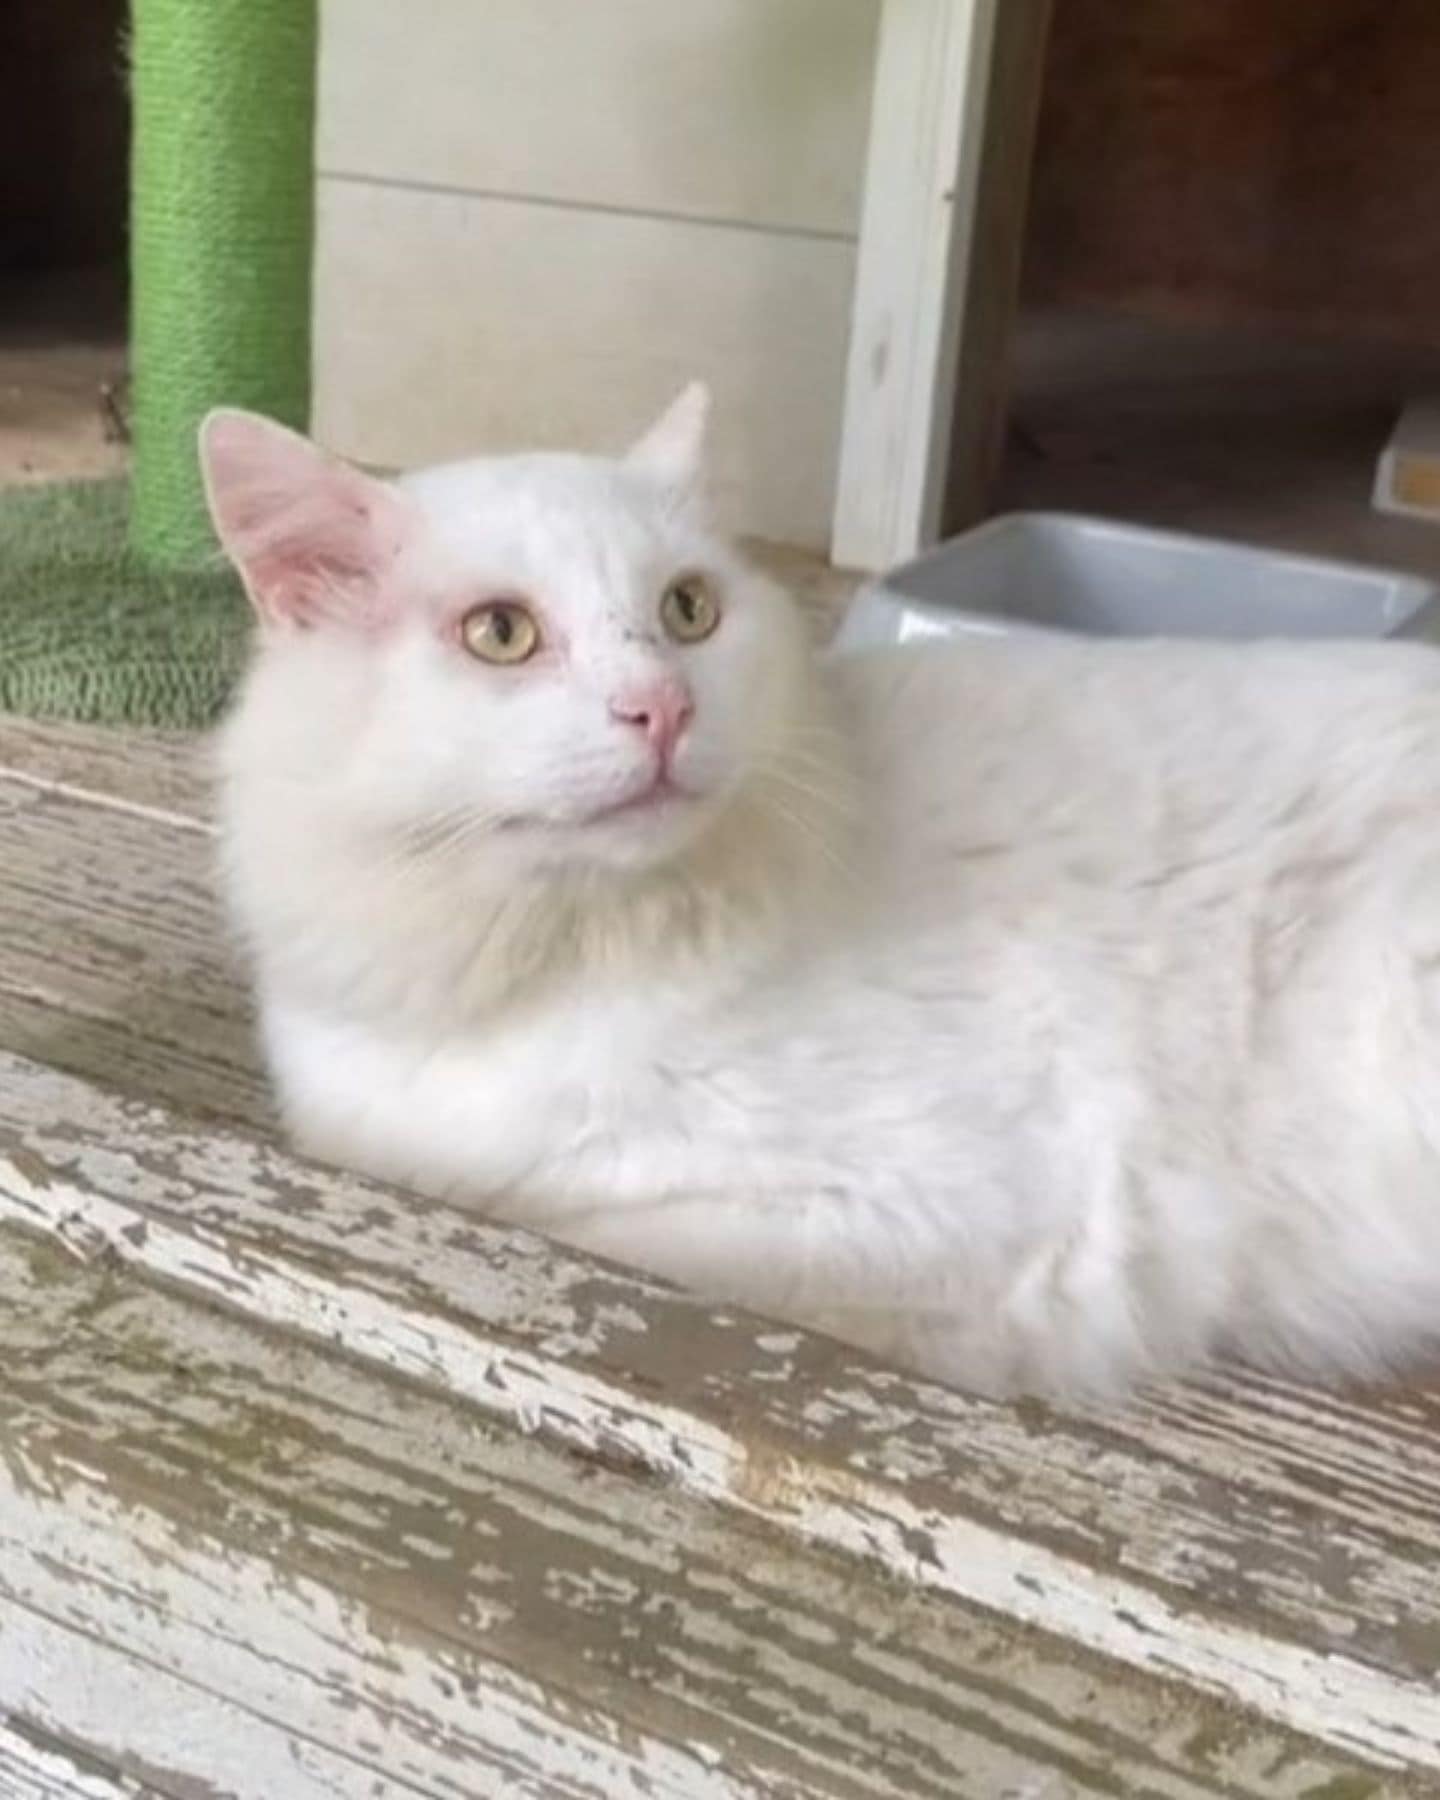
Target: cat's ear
[(672, 451), (311, 537)]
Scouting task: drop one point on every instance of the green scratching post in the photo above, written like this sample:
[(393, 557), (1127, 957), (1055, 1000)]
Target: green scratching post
[(140, 624), (222, 217)]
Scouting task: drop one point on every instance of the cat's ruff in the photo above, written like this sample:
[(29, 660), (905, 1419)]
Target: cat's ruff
[(1042, 1014)]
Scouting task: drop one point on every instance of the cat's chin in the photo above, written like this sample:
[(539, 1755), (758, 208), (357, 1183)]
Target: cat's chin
[(645, 829), (642, 830), (662, 799)]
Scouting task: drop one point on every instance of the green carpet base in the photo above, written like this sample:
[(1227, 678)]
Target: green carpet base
[(90, 632)]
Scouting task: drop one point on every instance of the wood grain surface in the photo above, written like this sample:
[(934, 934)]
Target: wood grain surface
[(309, 1488)]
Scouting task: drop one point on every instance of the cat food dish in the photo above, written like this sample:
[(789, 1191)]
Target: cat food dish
[(1055, 572)]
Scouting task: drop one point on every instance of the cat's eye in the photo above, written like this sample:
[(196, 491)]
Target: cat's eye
[(500, 631), (689, 610)]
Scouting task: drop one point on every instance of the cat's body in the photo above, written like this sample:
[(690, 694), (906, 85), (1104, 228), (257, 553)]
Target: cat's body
[(1041, 1014)]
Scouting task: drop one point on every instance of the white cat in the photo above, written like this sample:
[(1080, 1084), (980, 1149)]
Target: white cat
[(1040, 1014)]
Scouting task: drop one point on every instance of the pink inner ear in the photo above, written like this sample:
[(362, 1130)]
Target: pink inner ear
[(313, 539), (315, 560)]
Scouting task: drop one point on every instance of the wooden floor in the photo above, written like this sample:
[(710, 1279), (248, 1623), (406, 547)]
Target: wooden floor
[(309, 1490)]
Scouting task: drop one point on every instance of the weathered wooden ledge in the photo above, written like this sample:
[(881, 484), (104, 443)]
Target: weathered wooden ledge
[(1295, 1583), (311, 1490)]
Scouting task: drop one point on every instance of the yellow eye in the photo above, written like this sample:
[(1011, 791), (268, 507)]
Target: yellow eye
[(501, 631), (689, 610)]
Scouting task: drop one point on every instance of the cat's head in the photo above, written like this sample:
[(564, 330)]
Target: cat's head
[(552, 654)]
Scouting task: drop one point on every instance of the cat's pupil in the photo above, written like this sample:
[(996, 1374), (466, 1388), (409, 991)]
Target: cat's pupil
[(689, 606), (504, 627)]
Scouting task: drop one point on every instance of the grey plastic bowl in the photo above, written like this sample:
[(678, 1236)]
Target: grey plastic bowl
[(1057, 572)]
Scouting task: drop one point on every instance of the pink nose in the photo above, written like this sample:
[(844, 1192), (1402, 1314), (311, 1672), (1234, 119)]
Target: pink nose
[(661, 708)]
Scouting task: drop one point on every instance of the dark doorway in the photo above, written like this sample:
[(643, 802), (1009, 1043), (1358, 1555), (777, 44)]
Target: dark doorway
[(1232, 267), (64, 133)]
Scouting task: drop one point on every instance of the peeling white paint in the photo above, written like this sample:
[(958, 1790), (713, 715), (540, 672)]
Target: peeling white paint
[(323, 1271), (1264, 1545)]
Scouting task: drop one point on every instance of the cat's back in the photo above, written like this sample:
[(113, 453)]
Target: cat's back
[(1115, 752), (1182, 890)]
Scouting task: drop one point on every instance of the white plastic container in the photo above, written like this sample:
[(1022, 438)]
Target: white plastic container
[(1058, 572), (1408, 479)]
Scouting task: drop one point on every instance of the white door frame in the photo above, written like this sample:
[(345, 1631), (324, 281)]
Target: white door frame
[(917, 239)]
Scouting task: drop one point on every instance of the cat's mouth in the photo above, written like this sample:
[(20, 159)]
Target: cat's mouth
[(660, 796), (657, 795)]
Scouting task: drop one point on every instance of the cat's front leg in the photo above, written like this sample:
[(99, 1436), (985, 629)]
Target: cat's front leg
[(805, 1259)]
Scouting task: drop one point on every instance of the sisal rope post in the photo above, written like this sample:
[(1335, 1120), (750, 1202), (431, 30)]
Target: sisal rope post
[(222, 217)]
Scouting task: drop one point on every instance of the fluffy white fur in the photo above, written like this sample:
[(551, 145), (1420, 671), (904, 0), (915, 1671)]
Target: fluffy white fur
[(1040, 1014)]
